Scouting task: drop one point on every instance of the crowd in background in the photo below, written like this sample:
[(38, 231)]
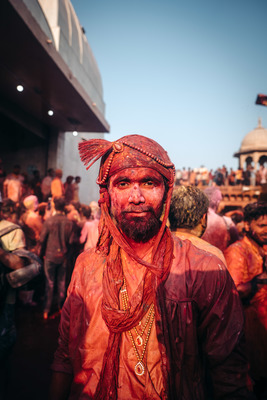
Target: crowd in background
[(55, 225), (17, 185), (34, 204), (222, 176)]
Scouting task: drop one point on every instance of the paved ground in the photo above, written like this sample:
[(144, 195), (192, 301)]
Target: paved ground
[(29, 365)]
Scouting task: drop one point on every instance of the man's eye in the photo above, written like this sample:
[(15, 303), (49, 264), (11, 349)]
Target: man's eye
[(149, 183), (122, 184)]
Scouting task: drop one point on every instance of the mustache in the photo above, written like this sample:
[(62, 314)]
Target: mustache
[(138, 209)]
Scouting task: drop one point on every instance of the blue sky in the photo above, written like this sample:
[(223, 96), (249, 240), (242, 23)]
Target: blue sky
[(184, 73)]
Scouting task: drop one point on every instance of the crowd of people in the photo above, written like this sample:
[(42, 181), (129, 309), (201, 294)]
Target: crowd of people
[(40, 239), (167, 299), (17, 185), (249, 176)]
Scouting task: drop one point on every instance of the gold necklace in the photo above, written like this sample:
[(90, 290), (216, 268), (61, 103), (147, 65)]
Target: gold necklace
[(139, 368)]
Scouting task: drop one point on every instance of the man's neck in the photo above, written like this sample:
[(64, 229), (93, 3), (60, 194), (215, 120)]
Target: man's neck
[(193, 231), (255, 243), (141, 248)]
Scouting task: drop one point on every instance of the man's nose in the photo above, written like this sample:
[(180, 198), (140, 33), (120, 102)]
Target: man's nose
[(136, 195)]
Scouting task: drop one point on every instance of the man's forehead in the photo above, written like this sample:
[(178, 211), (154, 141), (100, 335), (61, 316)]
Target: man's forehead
[(261, 220), (137, 173)]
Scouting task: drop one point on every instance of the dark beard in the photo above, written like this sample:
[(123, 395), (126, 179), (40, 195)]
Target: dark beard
[(140, 229)]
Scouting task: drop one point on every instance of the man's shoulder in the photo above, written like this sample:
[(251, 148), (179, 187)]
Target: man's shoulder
[(89, 255), (195, 272), (89, 267), (201, 245), (4, 224), (8, 226), (11, 236), (197, 255), (243, 245)]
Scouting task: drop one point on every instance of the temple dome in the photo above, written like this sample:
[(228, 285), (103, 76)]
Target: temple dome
[(255, 140)]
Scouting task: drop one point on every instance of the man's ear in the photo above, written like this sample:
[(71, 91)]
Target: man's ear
[(247, 226), (204, 220)]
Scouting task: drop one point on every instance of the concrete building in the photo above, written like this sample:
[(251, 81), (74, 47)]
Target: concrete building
[(43, 49), (253, 149)]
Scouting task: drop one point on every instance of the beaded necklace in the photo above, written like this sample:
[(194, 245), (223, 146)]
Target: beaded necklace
[(139, 368)]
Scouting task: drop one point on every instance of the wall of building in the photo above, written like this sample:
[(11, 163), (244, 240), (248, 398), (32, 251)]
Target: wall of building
[(69, 161)]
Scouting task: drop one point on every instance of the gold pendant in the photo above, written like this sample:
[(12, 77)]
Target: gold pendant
[(139, 341), (139, 369)]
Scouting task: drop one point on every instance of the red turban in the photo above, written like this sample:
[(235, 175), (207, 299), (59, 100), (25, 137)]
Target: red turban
[(131, 151)]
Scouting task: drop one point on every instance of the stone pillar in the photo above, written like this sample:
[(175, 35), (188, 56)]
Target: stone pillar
[(255, 157)]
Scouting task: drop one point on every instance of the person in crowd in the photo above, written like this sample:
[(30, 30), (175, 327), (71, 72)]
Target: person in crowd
[(44, 211), (26, 189), (69, 189), (193, 177), (262, 174), (95, 209), (54, 240), (76, 188), (73, 211), (14, 273), (146, 312), (246, 261), (237, 216), (258, 177), (185, 176), (57, 187), (239, 176), (46, 184), (231, 177), (188, 217), (218, 177), (220, 231), (89, 233), (178, 177), (247, 176), (13, 185), (252, 171), (75, 248), (35, 184), (204, 176), (32, 223)]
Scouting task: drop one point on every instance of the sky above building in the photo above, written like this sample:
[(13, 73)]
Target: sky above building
[(184, 73)]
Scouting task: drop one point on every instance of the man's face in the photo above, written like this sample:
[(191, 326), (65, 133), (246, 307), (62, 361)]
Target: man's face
[(257, 230), (137, 198)]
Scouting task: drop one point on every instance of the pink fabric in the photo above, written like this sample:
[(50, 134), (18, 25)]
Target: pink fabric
[(89, 234), (218, 230)]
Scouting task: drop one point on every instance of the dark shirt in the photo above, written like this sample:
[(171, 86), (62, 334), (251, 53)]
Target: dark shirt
[(55, 236)]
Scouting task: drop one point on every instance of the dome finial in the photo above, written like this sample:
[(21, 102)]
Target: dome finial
[(259, 122)]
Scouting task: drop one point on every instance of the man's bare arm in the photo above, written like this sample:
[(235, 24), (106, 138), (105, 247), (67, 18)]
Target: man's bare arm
[(11, 261)]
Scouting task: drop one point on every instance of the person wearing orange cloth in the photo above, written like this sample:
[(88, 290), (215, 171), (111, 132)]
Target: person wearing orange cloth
[(247, 263), (146, 313), (188, 217), (57, 187)]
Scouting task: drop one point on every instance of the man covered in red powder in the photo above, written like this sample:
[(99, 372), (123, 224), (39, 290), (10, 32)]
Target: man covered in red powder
[(247, 263), (188, 217), (146, 314)]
